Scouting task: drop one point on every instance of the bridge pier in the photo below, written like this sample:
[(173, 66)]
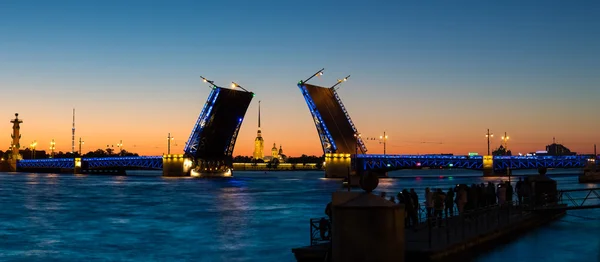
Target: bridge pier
[(176, 165), (77, 166), (8, 165), (338, 165), (488, 166)]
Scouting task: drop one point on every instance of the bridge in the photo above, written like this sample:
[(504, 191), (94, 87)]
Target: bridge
[(207, 153), (394, 162), (209, 149)]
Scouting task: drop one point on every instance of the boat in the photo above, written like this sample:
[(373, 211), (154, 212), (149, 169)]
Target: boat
[(591, 173)]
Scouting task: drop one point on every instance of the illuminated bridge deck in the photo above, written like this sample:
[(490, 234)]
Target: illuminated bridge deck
[(378, 162), (141, 162), (365, 162)]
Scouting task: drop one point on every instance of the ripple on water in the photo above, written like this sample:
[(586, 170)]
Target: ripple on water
[(252, 217)]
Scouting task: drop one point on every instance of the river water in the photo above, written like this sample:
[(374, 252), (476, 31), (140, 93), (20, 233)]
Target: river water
[(255, 216)]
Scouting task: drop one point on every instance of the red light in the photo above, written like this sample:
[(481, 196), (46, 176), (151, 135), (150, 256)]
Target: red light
[(441, 176), (418, 178)]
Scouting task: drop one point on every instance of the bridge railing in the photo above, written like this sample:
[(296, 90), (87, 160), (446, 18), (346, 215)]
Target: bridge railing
[(435, 232), (580, 198), (320, 231), (151, 162)]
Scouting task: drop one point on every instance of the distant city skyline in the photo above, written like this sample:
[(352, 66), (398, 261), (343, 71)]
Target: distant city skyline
[(434, 77)]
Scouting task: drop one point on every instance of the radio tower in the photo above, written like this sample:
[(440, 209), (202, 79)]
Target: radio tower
[(73, 134)]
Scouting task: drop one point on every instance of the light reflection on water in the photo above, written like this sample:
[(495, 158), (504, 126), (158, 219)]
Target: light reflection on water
[(251, 217)]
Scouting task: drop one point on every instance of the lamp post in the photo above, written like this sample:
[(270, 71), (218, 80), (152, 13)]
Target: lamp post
[(340, 81), (318, 73), (357, 136), (80, 143), (33, 144), (169, 139), (234, 85), (505, 140), (211, 83), (384, 137), (52, 147), (488, 135), (120, 146)]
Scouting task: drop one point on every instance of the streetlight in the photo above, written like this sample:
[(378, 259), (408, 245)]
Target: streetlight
[(505, 140), (318, 73), (52, 147), (169, 139), (212, 83), (488, 135), (33, 144), (340, 81), (384, 137), (80, 143), (234, 85), (357, 136), (120, 146)]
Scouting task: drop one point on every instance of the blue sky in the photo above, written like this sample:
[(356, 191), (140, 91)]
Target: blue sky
[(436, 71)]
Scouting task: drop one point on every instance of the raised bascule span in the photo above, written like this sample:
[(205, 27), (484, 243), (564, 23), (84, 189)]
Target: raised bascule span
[(338, 134), (213, 137), (208, 151)]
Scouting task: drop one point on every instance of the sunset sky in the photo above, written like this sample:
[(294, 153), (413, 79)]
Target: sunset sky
[(433, 75)]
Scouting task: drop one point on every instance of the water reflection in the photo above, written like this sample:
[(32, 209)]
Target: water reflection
[(252, 217)]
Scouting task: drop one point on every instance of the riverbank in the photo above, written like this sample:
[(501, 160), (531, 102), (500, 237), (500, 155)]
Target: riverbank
[(276, 167)]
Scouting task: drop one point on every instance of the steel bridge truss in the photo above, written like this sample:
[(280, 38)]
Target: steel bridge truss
[(369, 162), (146, 162), (361, 144), (366, 162), (524, 162), (326, 139), (374, 162), (229, 149), (58, 163), (193, 142)]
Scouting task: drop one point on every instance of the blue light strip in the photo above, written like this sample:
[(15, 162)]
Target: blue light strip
[(367, 162), (469, 162), (360, 141), (230, 147), (192, 145), (152, 162), (200, 117), (321, 125)]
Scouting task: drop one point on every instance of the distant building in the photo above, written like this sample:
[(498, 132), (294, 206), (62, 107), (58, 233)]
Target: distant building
[(555, 149), (259, 143), (274, 152)]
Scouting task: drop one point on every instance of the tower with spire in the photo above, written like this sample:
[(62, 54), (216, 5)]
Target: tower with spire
[(259, 143), (16, 136)]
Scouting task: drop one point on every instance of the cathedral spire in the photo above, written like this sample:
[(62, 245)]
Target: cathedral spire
[(258, 142)]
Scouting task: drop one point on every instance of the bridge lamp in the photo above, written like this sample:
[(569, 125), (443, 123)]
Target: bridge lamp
[(52, 148), (384, 137), (318, 73), (212, 83), (33, 145), (488, 135), (505, 139), (169, 139), (340, 81), (234, 85)]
